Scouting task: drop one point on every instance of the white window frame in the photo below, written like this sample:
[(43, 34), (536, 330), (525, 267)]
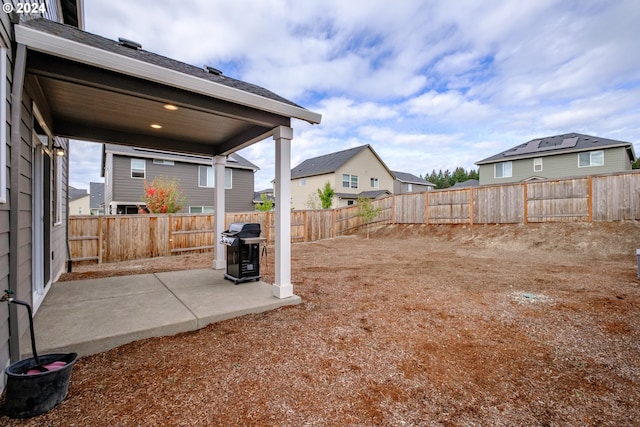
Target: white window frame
[(503, 174), (228, 178), (597, 153), (3, 123), (144, 168), (201, 209), (409, 187), (346, 180), (537, 164), (375, 183)]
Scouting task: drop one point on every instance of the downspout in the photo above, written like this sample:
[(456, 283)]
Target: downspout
[(19, 65)]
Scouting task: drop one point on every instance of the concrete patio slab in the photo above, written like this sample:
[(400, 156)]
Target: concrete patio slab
[(95, 315)]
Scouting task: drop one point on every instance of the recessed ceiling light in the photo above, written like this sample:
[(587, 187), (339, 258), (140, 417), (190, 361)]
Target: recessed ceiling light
[(156, 126), (170, 107)]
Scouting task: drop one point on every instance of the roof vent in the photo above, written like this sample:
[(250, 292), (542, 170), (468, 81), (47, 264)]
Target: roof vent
[(129, 43), (209, 69)]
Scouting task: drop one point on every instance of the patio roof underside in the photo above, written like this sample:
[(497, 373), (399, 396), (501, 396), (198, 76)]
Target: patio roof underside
[(94, 104)]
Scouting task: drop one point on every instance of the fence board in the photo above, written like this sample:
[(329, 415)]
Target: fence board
[(449, 207), (558, 200), (616, 197), (502, 204)]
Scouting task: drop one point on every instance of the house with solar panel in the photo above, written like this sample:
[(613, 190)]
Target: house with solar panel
[(560, 156)]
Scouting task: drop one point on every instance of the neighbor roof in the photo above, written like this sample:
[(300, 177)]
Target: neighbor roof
[(552, 145), (410, 178), (370, 194), (234, 160), (329, 163), (76, 193), (96, 190)]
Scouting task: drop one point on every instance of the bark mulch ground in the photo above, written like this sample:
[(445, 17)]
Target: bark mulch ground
[(416, 326)]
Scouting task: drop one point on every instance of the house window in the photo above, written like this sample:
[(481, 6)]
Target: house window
[(201, 209), (346, 180), (502, 170), (537, 164), (354, 181), (138, 168), (3, 123), (409, 187), (375, 183), (79, 210), (350, 202), (591, 158), (303, 182), (206, 177), (163, 162)]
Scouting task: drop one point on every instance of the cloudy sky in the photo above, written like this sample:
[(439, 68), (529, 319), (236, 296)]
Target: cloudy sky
[(429, 84)]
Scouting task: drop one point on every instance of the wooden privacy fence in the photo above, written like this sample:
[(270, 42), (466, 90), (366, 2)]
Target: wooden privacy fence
[(614, 197)]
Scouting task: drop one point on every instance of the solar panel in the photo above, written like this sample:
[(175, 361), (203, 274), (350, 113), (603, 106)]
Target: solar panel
[(534, 147)]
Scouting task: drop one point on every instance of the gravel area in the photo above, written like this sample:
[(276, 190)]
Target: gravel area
[(533, 324)]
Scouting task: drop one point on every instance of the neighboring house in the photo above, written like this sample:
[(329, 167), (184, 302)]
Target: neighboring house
[(96, 191), (409, 183), (356, 172), (557, 156), (60, 82), (79, 201), (127, 168)]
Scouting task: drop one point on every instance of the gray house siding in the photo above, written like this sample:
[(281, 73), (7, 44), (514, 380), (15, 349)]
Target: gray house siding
[(403, 187), (16, 260), (5, 31), (558, 166), (124, 188)]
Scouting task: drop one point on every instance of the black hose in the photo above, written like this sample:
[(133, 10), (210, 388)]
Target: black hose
[(33, 337)]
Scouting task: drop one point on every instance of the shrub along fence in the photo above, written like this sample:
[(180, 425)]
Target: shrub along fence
[(612, 197)]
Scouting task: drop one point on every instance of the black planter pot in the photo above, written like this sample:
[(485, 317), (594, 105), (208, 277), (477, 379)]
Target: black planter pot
[(31, 394)]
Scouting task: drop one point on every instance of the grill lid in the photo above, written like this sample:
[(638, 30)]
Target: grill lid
[(243, 229)]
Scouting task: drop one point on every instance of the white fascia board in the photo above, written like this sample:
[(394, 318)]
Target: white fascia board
[(68, 49)]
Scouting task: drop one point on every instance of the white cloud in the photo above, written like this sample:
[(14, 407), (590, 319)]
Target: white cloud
[(430, 84)]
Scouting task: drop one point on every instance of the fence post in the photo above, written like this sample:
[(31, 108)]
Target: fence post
[(470, 206), (170, 236), (590, 197), (525, 206), (100, 238)]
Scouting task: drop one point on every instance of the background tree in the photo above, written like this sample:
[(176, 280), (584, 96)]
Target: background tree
[(636, 164), (163, 195), (447, 179), (367, 212), (326, 195), (266, 205)]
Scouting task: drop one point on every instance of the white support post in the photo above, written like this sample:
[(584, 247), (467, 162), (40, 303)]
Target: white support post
[(283, 288), (219, 163)]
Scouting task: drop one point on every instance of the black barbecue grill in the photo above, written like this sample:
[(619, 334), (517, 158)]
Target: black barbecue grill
[(243, 251)]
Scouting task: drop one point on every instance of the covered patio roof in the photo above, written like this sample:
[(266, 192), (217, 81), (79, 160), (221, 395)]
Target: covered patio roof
[(99, 89)]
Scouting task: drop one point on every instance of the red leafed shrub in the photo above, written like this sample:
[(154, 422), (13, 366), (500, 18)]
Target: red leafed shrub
[(163, 195)]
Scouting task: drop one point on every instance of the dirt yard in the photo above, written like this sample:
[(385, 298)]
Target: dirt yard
[(535, 325)]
